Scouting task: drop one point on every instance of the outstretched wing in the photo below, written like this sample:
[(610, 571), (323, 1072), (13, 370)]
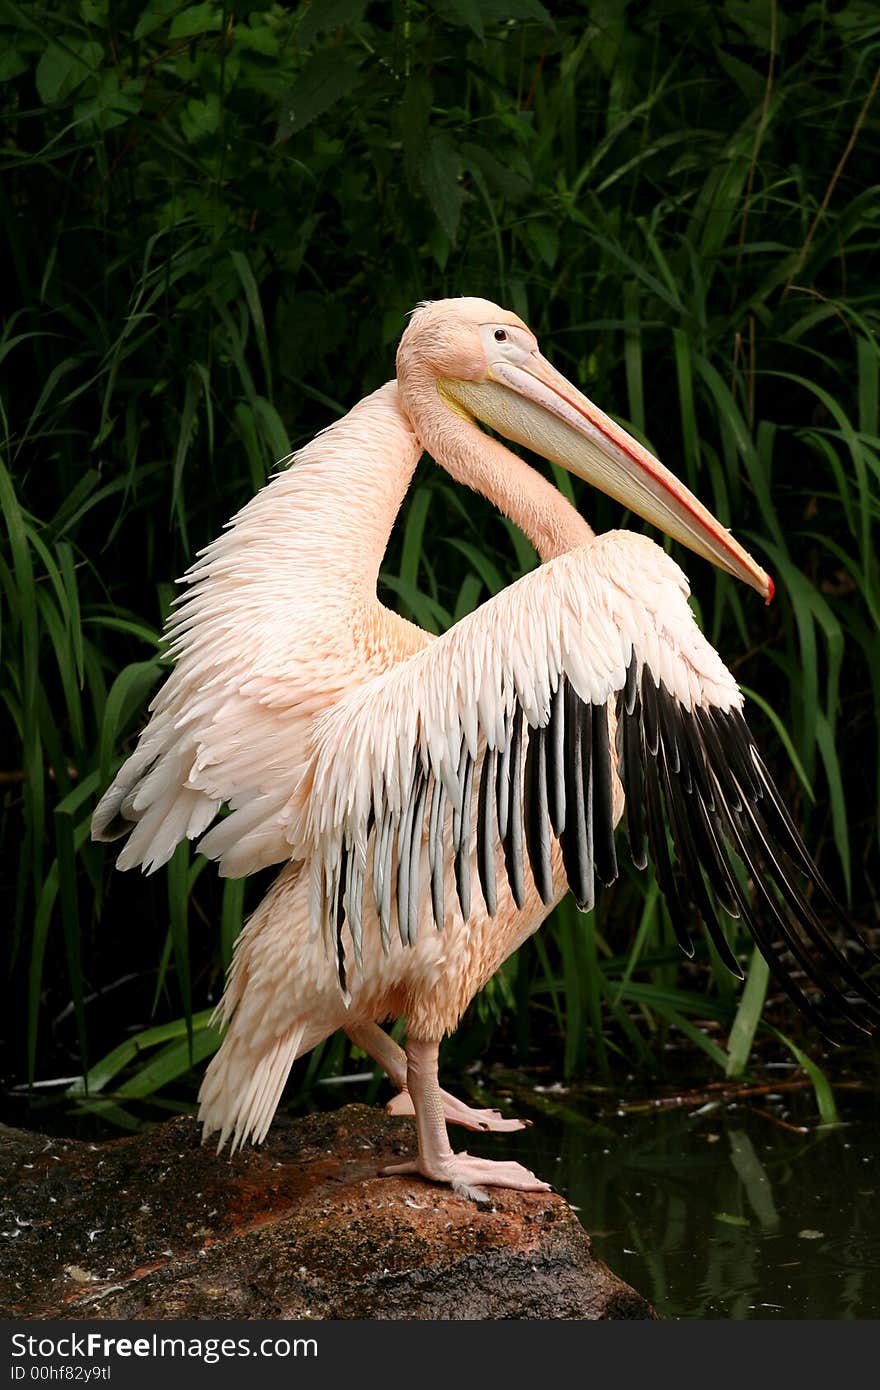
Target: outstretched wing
[(265, 637), (500, 736)]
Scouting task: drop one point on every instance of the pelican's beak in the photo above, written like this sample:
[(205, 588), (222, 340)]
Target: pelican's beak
[(533, 404)]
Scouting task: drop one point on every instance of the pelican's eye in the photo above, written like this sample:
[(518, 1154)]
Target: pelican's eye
[(503, 343)]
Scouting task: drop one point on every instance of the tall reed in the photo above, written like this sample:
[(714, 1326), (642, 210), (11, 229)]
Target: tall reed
[(217, 220)]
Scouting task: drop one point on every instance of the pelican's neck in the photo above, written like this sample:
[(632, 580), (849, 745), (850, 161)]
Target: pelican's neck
[(539, 509), (316, 534), (350, 481)]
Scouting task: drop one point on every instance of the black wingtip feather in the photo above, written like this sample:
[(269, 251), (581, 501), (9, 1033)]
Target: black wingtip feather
[(436, 823), (732, 806), (630, 770), (512, 838), (575, 840), (696, 770), (537, 818), (604, 852), (485, 834), (556, 759), (461, 833), (339, 916)]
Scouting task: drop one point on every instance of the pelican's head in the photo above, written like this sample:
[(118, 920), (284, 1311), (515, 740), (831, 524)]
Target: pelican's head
[(486, 365)]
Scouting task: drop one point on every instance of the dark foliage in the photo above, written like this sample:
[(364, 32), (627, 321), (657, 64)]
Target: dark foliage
[(216, 222)]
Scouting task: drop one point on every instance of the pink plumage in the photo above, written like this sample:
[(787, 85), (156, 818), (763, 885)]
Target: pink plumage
[(431, 799)]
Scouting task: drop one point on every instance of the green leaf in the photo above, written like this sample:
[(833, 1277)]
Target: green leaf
[(439, 175), (503, 11), (174, 1061), (103, 1072), (468, 597), (469, 13), (177, 871), (231, 917), (325, 80), (413, 531), (784, 738), (196, 19), (415, 115), (154, 15), (828, 1112), (200, 118), (126, 695), (63, 68), (499, 176), (12, 64), (257, 38), (481, 564), (252, 295), (748, 1015), (430, 614), (322, 15), (272, 429), (755, 18), (751, 82), (188, 424), (543, 238)]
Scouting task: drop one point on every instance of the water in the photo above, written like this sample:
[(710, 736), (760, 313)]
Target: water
[(720, 1214), (710, 1212)]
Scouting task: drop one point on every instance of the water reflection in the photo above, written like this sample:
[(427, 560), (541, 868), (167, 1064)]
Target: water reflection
[(722, 1214)]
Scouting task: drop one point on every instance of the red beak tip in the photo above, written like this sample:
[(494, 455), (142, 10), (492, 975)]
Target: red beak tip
[(771, 591)]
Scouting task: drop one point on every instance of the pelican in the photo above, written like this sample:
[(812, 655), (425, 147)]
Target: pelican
[(432, 798)]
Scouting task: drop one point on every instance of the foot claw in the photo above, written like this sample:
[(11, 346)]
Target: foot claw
[(465, 1174)]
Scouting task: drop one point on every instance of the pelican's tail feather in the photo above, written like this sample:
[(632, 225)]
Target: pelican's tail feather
[(240, 1093)]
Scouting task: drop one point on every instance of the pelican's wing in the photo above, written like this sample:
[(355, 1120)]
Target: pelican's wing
[(261, 647), (497, 737)]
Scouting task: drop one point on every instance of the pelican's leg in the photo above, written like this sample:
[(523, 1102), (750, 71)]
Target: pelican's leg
[(392, 1059), (436, 1159)]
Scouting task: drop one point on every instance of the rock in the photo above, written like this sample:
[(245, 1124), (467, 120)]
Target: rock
[(155, 1226)]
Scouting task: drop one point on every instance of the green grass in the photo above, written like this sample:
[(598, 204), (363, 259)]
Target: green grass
[(217, 221)]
